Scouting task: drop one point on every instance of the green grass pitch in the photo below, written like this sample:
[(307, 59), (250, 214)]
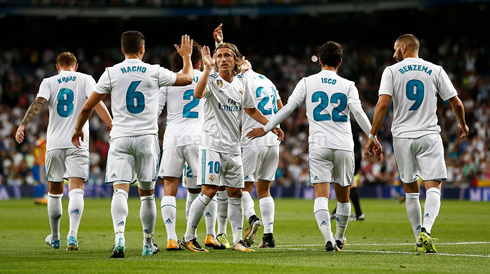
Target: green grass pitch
[(381, 243)]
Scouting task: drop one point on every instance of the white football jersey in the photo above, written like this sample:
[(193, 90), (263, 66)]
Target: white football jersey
[(184, 114), (327, 98), (66, 93), (414, 84), (265, 96), (133, 86), (223, 103)]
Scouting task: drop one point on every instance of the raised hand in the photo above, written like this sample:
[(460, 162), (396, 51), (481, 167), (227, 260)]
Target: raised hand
[(218, 34), (463, 132), (185, 48), (206, 57), (245, 65)]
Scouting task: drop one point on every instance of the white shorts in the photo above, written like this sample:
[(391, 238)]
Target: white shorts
[(331, 166), (421, 157), (178, 160), (260, 162), (133, 155), (220, 169), (67, 163)]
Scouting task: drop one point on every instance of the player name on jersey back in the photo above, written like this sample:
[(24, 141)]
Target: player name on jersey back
[(414, 85), (66, 93)]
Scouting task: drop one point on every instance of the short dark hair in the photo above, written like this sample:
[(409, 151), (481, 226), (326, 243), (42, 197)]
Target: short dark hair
[(410, 40), (66, 59), (131, 41), (236, 52), (330, 54), (176, 60)]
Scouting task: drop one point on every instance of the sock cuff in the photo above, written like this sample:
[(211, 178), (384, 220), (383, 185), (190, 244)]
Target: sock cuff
[(204, 198), (55, 196), (433, 189), (343, 209), (168, 200), (266, 200), (246, 193), (214, 200), (192, 196), (321, 204), (235, 201), (221, 195), (75, 192), (147, 198), (120, 192), (412, 195)]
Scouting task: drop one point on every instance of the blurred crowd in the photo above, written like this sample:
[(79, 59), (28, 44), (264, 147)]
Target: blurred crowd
[(161, 3), (21, 72)]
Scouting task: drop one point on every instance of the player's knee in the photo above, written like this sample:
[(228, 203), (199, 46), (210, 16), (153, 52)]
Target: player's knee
[(234, 192), (148, 186)]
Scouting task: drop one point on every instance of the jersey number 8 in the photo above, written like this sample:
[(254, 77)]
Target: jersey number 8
[(65, 102)]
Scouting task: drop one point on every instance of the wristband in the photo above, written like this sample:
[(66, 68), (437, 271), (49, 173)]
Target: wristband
[(372, 137)]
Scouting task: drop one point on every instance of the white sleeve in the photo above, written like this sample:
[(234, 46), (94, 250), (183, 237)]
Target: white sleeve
[(44, 90), (248, 99), (166, 77), (298, 96), (89, 85), (209, 88), (356, 108), (162, 99), (386, 85), (445, 86), (104, 85)]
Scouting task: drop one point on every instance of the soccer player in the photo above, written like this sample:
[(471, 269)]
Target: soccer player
[(225, 95), (329, 101), (65, 93), (414, 84), (180, 146), (260, 156), (134, 148)]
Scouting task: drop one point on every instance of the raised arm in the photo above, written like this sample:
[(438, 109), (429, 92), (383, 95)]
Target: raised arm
[(200, 88), (218, 34), (85, 113), (458, 109), (104, 114), (34, 109), (184, 78)]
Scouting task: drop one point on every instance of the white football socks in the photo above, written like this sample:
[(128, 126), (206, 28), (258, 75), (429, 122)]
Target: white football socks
[(169, 214), (195, 215), (222, 198), (119, 212), (248, 205), (75, 207), (414, 213), (235, 214), (190, 198), (431, 207), (55, 210), (267, 208), (322, 216), (210, 217), (343, 215), (148, 216)]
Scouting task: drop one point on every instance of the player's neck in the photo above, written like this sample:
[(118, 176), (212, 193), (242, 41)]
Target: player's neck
[(334, 69), (132, 56), (227, 75), (66, 69)]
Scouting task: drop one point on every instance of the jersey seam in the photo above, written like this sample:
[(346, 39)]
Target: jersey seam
[(109, 76)]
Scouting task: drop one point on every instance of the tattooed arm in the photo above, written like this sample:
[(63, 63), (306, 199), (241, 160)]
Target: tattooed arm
[(34, 110)]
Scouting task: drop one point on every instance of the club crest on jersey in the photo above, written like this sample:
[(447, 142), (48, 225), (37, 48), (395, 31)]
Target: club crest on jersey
[(219, 83), (241, 91), (211, 177)]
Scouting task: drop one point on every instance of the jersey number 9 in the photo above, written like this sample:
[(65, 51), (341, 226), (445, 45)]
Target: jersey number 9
[(415, 92)]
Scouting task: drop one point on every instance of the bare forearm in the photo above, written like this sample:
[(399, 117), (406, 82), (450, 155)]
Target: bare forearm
[(34, 109), (103, 113), (200, 88), (458, 109), (85, 113), (256, 115), (379, 115)]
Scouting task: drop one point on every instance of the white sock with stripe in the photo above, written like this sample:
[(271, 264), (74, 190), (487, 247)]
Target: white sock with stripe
[(195, 215), (267, 208), (169, 214), (235, 214), (55, 210), (119, 212), (412, 204), (431, 208), (75, 207), (343, 215), (148, 216), (322, 216), (248, 205), (222, 198), (190, 198), (210, 217)]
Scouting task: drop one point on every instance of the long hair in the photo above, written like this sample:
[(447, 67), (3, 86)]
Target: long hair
[(237, 54)]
